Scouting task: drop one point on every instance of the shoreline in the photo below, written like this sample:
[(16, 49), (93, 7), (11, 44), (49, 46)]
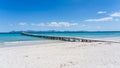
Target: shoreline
[(27, 43), (62, 55), (42, 42)]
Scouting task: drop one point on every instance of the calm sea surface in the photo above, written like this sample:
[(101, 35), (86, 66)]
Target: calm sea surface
[(7, 37), (16, 39)]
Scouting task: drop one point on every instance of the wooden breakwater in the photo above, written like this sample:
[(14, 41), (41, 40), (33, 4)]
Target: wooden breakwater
[(64, 38)]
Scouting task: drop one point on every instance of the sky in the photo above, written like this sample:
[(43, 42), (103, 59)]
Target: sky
[(60, 15)]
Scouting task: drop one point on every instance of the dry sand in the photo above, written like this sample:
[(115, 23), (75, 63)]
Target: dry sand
[(62, 55)]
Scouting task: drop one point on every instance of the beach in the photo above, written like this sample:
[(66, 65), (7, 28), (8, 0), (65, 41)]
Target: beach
[(62, 55), (59, 33)]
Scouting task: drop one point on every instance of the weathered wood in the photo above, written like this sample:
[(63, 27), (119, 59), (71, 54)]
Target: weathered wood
[(70, 39)]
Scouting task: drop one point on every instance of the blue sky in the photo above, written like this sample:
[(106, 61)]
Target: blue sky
[(62, 15)]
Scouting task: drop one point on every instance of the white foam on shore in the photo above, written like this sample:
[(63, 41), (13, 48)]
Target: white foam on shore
[(116, 39), (22, 43), (36, 42)]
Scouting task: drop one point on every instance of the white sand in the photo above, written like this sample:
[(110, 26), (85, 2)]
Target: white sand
[(62, 55)]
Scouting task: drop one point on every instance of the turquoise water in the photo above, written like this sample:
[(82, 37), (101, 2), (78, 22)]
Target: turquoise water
[(84, 34), (6, 37), (18, 37)]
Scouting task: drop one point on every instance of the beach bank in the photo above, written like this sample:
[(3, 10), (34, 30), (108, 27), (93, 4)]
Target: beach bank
[(62, 55)]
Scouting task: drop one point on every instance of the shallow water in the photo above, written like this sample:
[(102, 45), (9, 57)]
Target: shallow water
[(16, 39), (6, 37)]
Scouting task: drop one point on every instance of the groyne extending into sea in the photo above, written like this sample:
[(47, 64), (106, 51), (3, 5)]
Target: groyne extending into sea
[(64, 38)]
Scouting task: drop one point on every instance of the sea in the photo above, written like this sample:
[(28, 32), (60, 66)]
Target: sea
[(13, 39)]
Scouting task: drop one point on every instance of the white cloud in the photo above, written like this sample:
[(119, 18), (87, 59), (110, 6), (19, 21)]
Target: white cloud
[(114, 17), (39, 24), (101, 12), (116, 14), (55, 24), (100, 19), (64, 24), (67, 24), (22, 24)]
